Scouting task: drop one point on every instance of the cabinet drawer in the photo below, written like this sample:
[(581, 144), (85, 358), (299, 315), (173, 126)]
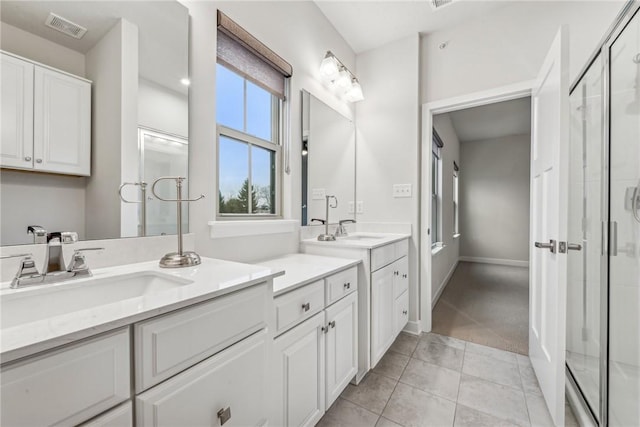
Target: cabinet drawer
[(382, 256), (401, 248), (296, 306), (340, 284), (401, 311), (169, 344), (233, 379), (67, 386), (122, 416)]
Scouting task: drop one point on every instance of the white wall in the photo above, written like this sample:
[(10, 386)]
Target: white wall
[(112, 64), (55, 202), (443, 262), (494, 198), (387, 152), (162, 109), (509, 45), (298, 32), (36, 48)]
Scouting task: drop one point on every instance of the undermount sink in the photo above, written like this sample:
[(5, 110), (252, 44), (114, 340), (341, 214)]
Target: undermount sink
[(364, 237), (48, 301)]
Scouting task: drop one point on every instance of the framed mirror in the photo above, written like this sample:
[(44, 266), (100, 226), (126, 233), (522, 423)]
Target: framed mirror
[(328, 161), (134, 56)]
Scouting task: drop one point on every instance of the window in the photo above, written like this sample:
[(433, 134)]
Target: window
[(436, 146), (456, 208), (251, 84)]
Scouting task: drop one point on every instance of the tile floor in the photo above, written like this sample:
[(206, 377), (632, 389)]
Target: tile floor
[(434, 380)]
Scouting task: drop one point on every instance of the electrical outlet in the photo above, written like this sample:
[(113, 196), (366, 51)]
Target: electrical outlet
[(401, 190), (318, 194), (351, 209), (359, 207)]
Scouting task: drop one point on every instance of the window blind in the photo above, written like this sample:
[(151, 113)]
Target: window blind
[(249, 57)]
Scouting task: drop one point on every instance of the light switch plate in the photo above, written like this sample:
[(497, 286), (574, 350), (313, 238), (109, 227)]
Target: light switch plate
[(401, 190), (318, 193), (351, 209), (359, 207)]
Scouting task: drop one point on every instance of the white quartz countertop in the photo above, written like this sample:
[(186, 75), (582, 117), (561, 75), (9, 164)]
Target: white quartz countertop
[(211, 279), (302, 269), (360, 240)]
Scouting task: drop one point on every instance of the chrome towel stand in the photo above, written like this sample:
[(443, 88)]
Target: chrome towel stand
[(142, 203), (180, 258)]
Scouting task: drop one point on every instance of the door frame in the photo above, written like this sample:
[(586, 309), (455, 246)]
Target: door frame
[(503, 93)]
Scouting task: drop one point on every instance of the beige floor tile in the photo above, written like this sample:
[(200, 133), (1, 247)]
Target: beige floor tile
[(432, 378), (391, 365), (491, 369), (411, 407), (467, 417), (529, 379), (538, 412), (505, 356), (372, 393), (439, 354), (442, 339), (346, 414), (383, 422), (500, 401), (569, 417), (405, 344)]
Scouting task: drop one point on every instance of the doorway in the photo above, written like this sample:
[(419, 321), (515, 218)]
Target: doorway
[(480, 224)]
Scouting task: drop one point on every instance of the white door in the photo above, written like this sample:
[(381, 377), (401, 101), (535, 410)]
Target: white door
[(16, 149), (342, 346), (62, 123), (549, 184)]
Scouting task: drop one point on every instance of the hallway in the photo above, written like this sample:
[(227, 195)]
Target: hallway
[(486, 304)]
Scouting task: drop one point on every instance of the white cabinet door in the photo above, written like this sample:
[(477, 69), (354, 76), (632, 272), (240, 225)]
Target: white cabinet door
[(298, 375), (62, 123), (120, 416), (382, 312), (401, 312), (16, 150), (342, 346), (233, 380), (401, 276)]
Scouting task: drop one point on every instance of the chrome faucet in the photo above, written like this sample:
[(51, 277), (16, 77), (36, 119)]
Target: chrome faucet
[(39, 234), (341, 231), (326, 237)]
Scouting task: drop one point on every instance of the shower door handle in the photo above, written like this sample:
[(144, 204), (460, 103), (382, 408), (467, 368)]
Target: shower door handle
[(574, 246), (632, 201), (551, 246)]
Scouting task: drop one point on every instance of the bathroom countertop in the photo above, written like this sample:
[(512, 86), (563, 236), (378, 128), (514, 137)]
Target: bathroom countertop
[(360, 240), (302, 269), (211, 279)]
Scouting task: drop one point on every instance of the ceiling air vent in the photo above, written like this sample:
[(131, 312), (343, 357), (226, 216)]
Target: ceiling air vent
[(437, 4), (65, 26)]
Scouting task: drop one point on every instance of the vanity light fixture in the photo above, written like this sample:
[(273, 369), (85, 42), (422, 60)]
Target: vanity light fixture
[(336, 75)]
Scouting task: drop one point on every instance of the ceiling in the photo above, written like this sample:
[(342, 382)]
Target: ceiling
[(366, 24), (493, 121), (162, 30)]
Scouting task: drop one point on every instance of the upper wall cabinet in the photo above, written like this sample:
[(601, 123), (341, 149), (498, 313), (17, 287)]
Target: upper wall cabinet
[(46, 119)]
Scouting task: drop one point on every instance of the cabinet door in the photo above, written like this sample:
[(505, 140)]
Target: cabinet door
[(16, 150), (62, 123), (298, 375), (401, 311), (401, 276), (382, 312), (342, 346), (232, 380)]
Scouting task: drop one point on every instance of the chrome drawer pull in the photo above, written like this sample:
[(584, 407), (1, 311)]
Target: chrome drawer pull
[(224, 415), (306, 306), (332, 323), (347, 285)]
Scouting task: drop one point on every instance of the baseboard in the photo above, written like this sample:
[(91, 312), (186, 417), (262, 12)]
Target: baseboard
[(436, 297), (498, 261), (412, 328)]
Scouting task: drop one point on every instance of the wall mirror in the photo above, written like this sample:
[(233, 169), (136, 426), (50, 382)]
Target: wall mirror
[(328, 161), (135, 53)]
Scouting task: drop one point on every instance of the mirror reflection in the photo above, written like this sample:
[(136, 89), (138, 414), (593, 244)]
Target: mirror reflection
[(94, 95), (328, 161)]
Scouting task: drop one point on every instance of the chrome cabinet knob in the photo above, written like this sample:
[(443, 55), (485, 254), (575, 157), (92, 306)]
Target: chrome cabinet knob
[(27, 159), (347, 285), (306, 306), (38, 160)]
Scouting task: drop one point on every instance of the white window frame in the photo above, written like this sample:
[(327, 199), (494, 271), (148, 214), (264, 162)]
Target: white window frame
[(456, 202), (278, 135), (436, 198)]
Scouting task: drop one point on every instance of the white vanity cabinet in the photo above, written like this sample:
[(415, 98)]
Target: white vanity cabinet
[(317, 357), (383, 289), (46, 119)]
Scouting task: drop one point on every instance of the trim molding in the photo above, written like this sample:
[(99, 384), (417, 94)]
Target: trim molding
[(443, 285), (413, 328), (498, 261)]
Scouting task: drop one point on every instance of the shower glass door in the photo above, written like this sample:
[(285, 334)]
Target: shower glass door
[(584, 235), (624, 251)]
